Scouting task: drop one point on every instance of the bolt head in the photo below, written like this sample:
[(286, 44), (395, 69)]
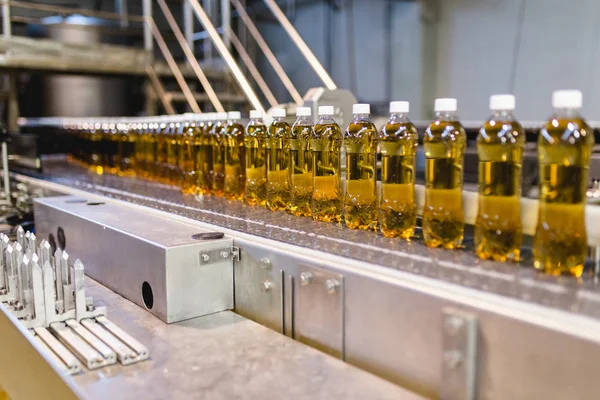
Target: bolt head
[(224, 254), (332, 285), (265, 263), (306, 278), (205, 257), (453, 325), (453, 358), (266, 286)]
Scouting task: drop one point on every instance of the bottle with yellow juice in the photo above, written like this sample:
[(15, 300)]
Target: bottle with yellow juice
[(127, 142), (300, 163), (498, 229), (398, 147), (565, 146), (235, 157), (360, 143), (217, 134), (278, 187), (255, 141), (444, 143), (187, 156), (326, 146), (160, 158)]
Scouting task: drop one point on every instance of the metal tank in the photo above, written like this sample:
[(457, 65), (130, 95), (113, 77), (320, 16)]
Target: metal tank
[(78, 95)]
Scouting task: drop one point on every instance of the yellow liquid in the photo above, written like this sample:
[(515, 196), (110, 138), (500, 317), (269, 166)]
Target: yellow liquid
[(203, 159), (139, 164), (235, 151), (326, 145), (398, 209), (443, 218), (301, 179), (564, 150), (110, 150), (149, 140), (95, 161), (160, 159), (255, 142), (360, 203), (217, 136), (127, 153), (278, 187), (186, 160), (171, 167), (498, 230)]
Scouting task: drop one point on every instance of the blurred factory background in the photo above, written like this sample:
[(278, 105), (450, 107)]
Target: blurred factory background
[(380, 50)]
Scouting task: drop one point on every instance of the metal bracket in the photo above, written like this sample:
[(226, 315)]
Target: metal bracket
[(459, 352), (219, 255)]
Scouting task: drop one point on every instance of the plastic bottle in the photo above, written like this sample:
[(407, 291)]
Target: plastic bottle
[(498, 229), (235, 159), (398, 147), (444, 143), (255, 142), (564, 149), (360, 142), (217, 135), (326, 145), (301, 166), (278, 188)]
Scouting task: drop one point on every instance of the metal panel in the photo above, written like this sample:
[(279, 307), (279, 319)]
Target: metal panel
[(152, 261), (319, 314)]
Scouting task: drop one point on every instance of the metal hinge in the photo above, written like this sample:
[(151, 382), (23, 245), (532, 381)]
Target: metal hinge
[(218, 255)]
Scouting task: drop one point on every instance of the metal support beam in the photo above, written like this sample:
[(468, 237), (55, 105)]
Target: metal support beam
[(251, 67), (188, 24), (267, 51), (237, 73), (160, 91), (304, 49), (147, 11), (6, 23), (13, 102), (173, 66), (226, 20), (190, 56)]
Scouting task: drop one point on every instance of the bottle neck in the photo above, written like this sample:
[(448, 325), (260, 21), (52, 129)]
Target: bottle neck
[(325, 120), (446, 115), (362, 117), (303, 120), (233, 121), (396, 118), (566, 113), (503, 115), (256, 120), (278, 119)]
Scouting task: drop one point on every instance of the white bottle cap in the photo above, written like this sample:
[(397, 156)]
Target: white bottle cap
[(256, 114), (361, 109), (567, 99), (222, 116), (445, 104), (399, 107), (502, 102), (278, 113), (303, 112), (326, 110), (233, 115)]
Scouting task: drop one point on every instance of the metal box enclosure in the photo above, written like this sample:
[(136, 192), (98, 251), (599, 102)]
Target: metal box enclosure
[(152, 261)]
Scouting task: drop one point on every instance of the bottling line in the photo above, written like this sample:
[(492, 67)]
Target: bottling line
[(305, 250)]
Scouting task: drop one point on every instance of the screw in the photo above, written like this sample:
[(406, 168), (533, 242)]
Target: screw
[(265, 263), (205, 257), (306, 278), (453, 325), (453, 358), (332, 285), (90, 307), (224, 254), (266, 286)]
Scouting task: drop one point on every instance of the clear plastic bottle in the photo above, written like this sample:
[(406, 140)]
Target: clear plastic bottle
[(301, 166), (398, 147), (278, 187), (127, 142), (564, 150), (255, 142), (187, 156), (235, 157), (204, 155), (326, 145), (217, 135), (444, 142), (360, 142), (498, 229)]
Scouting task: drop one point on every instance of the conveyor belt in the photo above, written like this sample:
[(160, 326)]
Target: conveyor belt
[(458, 267)]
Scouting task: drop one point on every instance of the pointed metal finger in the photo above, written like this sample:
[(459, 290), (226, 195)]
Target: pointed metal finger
[(3, 267), (25, 283), (45, 252), (80, 306), (68, 294), (58, 275), (20, 235), (39, 309)]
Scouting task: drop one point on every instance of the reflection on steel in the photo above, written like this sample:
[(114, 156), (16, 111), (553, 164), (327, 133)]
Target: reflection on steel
[(251, 67), (190, 56), (6, 23), (160, 90), (304, 49), (267, 51), (237, 73), (226, 20), (71, 10), (174, 68)]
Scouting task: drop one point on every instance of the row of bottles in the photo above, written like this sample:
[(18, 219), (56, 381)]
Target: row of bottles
[(298, 168)]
